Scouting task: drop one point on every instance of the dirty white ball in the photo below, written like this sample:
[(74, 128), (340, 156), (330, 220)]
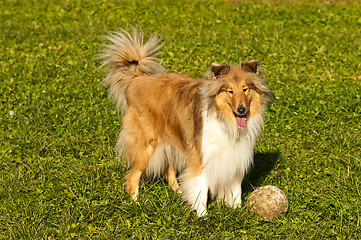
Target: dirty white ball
[(269, 202)]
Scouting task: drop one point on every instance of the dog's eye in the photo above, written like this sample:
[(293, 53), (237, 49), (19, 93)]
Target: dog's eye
[(230, 91), (245, 89)]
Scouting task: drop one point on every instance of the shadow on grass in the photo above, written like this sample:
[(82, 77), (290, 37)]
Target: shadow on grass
[(263, 164)]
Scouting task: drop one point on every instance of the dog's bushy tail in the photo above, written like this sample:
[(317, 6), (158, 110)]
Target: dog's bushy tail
[(128, 56)]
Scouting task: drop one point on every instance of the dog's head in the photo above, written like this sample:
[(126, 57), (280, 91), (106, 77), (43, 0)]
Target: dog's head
[(238, 92)]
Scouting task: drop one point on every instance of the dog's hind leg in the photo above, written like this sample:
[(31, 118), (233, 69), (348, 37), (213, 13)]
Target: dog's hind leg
[(171, 176), (139, 156), (139, 144)]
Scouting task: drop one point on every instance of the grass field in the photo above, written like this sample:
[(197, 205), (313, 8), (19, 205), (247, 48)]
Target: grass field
[(59, 175)]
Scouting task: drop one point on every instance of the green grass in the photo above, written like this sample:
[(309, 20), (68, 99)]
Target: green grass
[(59, 176)]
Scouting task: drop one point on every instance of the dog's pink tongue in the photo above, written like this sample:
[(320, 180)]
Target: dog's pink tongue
[(241, 122)]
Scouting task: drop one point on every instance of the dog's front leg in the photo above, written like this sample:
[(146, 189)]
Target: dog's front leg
[(195, 190), (233, 194)]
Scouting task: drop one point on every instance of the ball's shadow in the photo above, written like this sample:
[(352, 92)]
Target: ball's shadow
[(263, 164)]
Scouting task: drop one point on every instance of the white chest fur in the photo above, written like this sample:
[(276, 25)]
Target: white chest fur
[(227, 152)]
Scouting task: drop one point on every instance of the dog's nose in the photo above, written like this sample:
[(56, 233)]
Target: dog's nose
[(241, 110)]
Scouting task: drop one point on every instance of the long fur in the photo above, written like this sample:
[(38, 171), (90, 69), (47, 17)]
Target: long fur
[(128, 56), (203, 130)]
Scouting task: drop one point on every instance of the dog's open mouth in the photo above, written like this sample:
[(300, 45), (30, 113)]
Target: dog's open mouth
[(241, 121)]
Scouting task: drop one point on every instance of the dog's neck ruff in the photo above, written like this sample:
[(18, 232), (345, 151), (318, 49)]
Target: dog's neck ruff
[(227, 151)]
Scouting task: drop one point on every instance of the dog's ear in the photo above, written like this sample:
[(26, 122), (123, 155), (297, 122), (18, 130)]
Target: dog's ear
[(251, 66), (219, 69)]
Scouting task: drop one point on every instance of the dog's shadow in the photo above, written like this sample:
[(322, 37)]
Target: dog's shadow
[(263, 164)]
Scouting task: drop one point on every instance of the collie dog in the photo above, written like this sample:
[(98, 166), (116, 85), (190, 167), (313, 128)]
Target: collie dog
[(200, 130)]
